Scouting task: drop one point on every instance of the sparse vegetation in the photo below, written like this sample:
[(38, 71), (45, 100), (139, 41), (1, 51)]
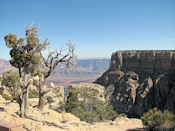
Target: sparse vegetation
[(157, 120), (6, 97), (33, 94), (10, 80), (83, 103)]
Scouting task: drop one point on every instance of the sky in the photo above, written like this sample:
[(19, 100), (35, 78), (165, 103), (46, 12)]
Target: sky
[(96, 27)]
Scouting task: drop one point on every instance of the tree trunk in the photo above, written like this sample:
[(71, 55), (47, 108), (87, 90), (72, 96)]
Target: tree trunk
[(24, 82), (41, 101), (22, 108), (41, 93), (26, 101)]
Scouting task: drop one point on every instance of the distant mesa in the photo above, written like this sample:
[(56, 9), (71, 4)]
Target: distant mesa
[(140, 80)]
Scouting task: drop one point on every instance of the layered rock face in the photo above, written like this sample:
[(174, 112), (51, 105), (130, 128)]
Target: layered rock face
[(140, 80)]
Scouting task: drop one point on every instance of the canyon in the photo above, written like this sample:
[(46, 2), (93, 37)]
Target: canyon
[(88, 70)]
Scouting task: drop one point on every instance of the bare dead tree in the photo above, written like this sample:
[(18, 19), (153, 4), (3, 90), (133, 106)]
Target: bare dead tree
[(49, 64)]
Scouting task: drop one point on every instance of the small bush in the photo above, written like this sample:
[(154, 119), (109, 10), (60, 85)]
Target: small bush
[(155, 119), (169, 119), (33, 94), (61, 107), (11, 82), (6, 97)]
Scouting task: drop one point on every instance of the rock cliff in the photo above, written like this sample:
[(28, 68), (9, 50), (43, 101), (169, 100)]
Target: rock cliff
[(140, 80)]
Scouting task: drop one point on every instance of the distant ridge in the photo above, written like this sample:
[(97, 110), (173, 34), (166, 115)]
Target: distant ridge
[(85, 58), (89, 70)]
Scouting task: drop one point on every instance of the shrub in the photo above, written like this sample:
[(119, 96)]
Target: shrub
[(6, 97), (33, 94), (88, 108), (10, 80), (61, 107), (155, 119), (169, 119)]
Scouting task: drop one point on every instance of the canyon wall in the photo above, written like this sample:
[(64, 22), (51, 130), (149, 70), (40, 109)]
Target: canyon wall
[(140, 80)]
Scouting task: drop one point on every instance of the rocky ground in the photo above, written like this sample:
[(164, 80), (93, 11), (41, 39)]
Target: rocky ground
[(64, 121)]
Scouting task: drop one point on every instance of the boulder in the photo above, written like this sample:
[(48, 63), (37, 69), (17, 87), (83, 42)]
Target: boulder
[(52, 85), (11, 107)]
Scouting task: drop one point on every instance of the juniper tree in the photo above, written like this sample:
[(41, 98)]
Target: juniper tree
[(25, 56)]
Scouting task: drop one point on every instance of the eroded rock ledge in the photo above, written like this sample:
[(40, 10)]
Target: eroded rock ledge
[(140, 80)]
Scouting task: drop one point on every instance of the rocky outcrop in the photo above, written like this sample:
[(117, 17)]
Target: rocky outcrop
[(10, 114), (66, 121), (55, 96), (91, 87), (140, 80)]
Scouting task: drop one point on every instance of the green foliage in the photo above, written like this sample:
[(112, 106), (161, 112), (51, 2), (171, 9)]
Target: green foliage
[(25, 52), (33, 94), (169, 119), (85, 94), (154, 119), (168, 115), (88, 107), (6, 97), (11, 81), (61, 107)]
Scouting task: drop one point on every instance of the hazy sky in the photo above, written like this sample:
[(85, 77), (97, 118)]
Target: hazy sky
[(97, 27)]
